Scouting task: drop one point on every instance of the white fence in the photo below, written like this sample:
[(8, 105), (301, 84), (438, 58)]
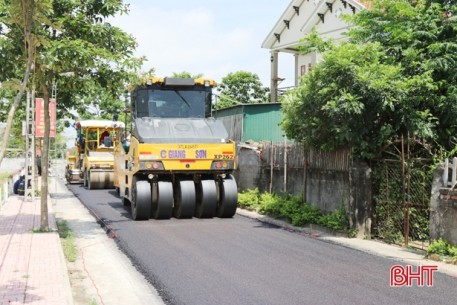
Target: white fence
[(6, 187), (4, 191), (450, 173), (12, 167)]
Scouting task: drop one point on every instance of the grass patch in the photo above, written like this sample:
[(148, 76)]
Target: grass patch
[(68, 242), (39, 230)]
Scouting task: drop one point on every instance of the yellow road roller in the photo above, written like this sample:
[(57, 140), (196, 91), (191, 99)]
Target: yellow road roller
[(178, 161), (72, 169), (94, 159)]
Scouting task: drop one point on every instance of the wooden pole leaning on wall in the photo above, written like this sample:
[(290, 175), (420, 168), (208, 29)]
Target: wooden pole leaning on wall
[(285, 164), (305, 165), (272, 161)]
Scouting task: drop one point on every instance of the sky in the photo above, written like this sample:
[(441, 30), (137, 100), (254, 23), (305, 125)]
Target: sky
[(213, 37)]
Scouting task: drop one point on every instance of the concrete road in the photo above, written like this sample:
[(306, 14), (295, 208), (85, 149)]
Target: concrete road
[(243, 261)]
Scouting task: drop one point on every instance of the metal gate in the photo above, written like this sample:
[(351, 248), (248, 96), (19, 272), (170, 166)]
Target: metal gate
[(401, 192)]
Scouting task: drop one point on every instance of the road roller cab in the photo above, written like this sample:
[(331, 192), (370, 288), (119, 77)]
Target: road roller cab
[(96, 140), (180, 160)]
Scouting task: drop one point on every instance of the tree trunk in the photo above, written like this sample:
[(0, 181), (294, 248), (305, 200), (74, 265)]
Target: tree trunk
[(28, 25), (45, 158)]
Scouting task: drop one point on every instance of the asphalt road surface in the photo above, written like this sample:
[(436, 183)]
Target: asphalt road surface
[(243, 261)]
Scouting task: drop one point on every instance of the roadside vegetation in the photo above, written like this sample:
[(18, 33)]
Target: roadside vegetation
[(294, 210), (441, 250), (68, 242), (393, 76)]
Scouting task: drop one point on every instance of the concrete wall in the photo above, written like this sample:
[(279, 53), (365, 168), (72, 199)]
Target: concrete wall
[(248, 173), (360, 199), (327, 188), (323, 187), (443, 210)]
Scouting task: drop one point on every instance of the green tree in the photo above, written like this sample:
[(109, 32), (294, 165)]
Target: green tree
[(422, 38), (18, 43), (351, 99), (396, 75), (185, 74), (88, 60), (241, 88)]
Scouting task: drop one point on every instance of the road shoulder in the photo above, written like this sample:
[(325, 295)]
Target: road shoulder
[(101, 272)]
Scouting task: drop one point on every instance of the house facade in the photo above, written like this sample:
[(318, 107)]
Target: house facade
[(298, 20)]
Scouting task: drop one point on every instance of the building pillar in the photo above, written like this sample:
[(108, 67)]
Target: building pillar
[(274, 77), (296, 81)]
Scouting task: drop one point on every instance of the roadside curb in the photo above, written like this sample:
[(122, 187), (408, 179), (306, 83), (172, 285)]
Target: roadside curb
[(374, 247), (313, 232)]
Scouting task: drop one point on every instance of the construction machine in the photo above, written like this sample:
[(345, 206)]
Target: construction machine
[(72, 170), (92, 161), (179, 160)]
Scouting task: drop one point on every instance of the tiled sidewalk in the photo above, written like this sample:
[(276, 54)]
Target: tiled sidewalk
[(32, 265)]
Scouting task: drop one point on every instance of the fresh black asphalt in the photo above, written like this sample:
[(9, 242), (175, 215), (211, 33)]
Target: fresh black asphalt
[(243, 261)]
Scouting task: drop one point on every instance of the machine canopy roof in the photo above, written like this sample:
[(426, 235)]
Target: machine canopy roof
[(100, 124)]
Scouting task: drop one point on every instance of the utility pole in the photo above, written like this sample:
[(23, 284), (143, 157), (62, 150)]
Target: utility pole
[(30, 148), (53, 96)]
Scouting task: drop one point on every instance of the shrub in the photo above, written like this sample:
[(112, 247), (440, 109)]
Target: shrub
[(290, 205), (439, 247), (293, 209), (249, 199), (336, 221), (453, 251), (270, 204), (305, 214), (442, 248)]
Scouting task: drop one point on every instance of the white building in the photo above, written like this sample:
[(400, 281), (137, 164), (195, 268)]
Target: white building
[(298, 20)]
